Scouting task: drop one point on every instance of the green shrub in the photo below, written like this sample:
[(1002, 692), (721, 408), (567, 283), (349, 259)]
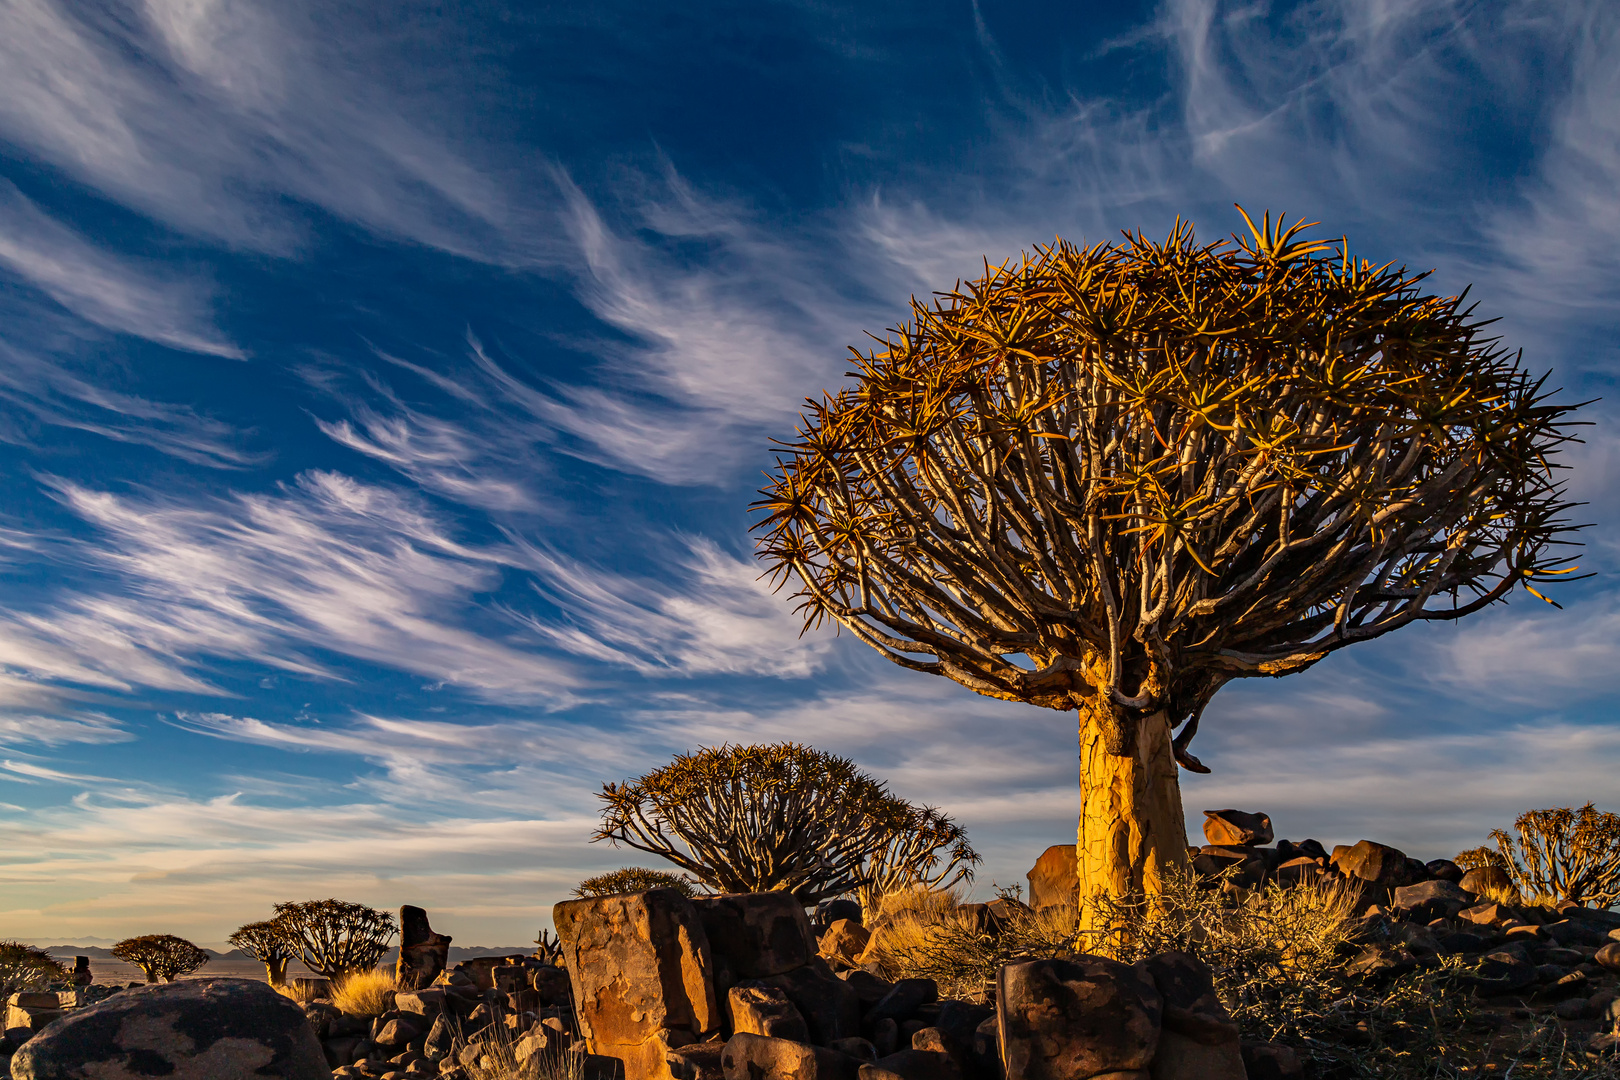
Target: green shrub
[(634, 879)]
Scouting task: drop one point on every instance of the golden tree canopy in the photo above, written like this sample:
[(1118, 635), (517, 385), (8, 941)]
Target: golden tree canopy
[(1119, 476)]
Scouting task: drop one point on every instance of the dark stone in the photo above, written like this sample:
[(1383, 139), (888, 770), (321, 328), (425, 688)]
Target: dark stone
[(1503, 972), (440, 1038), (855, 1047), (1079, 1018), (1483, 879), (902, 1002), (1460, 941), (695, 1061), (1609, 956), (1444, 870), (957, 1024), (1383, 961), (830, 911), (758, 1009), (911, 1065), (1271, 1061), (1429, 900), (828, 1004), (1237, 828), (751, 1057), (1380, 867), (868, 987), (552, 984), (423, 954), (1191, 1007), (754, 935), (224, 1029)]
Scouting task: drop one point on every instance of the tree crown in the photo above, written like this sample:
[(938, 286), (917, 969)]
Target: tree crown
[(1117, 477), (336, 937), (161, 956)]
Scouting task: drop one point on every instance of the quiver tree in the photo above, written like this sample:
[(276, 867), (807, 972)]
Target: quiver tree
[(268, 943), (1112, 479), (930, 852), (163, 957), (758, 818), (1563, 854), (634, 879), (335, 938), (23, 967)]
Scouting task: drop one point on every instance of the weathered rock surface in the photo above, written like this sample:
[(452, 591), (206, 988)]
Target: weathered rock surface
[(423, 954), (1271, 1061), (753, 1057), (1054, 879), (640, 967), (1179, 1057), (1486, 879), (912, 1065), (199, 1029), (1431, 899), (1059, 1020), (828, 1004), (757, 1009), (1236, 828), (1379, 866), (1191, 1008), (754, 935), (844, 942)]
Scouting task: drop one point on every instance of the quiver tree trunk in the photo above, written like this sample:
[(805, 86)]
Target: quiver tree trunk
[(275, 970), (1131, 824)]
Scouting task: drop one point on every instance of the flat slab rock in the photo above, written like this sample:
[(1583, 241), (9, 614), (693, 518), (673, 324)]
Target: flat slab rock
[(200, 1029)]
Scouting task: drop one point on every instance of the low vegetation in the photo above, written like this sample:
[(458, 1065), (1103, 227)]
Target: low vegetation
[(365, 993), (634, 879), (23, 967), (1564, 854)]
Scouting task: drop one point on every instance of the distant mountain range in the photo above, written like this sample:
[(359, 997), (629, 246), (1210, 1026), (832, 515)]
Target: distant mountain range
[(457, 953)]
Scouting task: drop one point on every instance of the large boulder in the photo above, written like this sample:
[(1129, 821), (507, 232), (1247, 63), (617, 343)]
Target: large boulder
[(754, 935), (641, 972), (752, 1057), (1055, 878), (198, 1029), (1235, 828), (1064, 1020), (1378, 867), (1484, 880), (1191, 1007), (1430, 900), (757, 1009), (828, 1004), (1181, 1058), (422, 953), (844, 942)]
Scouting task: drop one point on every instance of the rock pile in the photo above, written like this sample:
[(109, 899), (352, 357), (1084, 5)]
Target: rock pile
[(737, 988)]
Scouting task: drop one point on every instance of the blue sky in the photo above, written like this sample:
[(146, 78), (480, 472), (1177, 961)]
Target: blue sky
[(382, 390)]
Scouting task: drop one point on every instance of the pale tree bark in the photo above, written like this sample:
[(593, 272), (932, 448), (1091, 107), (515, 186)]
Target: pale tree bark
[(1132, 829)]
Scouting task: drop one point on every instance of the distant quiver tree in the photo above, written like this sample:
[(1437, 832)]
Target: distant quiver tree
[(1110, 480), (774, 817), (269, 944), (634, 879), (163, 957), (336, 938), (23, 967)]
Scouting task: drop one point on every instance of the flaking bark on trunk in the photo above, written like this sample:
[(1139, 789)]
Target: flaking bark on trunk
[(1131, 825)]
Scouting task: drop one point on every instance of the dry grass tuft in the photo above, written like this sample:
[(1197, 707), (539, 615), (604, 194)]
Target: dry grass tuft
[(497, 1059), (365, 993)]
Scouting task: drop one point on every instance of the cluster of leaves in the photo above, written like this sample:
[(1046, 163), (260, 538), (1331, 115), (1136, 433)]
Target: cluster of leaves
[(634, 879), (333, 938), (1564, 854), (1130, 473), (23, 967), (163, 957), (784, 817)]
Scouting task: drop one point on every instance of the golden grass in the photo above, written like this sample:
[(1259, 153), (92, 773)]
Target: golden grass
[(497, 1059), (365, 993)]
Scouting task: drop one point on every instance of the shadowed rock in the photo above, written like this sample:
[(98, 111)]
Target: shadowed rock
[(200, 1029)]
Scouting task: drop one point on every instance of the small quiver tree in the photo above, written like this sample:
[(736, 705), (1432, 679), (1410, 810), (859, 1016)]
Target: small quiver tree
[(335, 938), (930, 852), (163, 957), (634, 879), (268, 943), (1110, 480), (1563, 854), (23, 967), (758, 818)]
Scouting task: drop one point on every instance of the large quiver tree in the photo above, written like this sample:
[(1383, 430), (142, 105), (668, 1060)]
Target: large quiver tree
[(1112, 479)]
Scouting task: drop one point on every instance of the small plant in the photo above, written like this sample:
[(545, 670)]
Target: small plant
[(163, 957), (266, 942), (335, 937), (633, 879), (920, 936), (496, 1058), (23, 967), (365, 993), (1564, 854)]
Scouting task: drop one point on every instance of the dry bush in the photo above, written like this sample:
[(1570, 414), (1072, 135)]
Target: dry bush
[(23, 967), (923, 934), (497, 1058), (1564, 854), (365, 993), (930, 852)]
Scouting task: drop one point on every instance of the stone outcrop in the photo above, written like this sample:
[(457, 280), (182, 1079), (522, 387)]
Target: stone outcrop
[(754, 1057), (642, 975), (1054, 879), (1060, 1019), (198, 1029), (1237, 828), (754, 935), (757, 1009), (423, 954)]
